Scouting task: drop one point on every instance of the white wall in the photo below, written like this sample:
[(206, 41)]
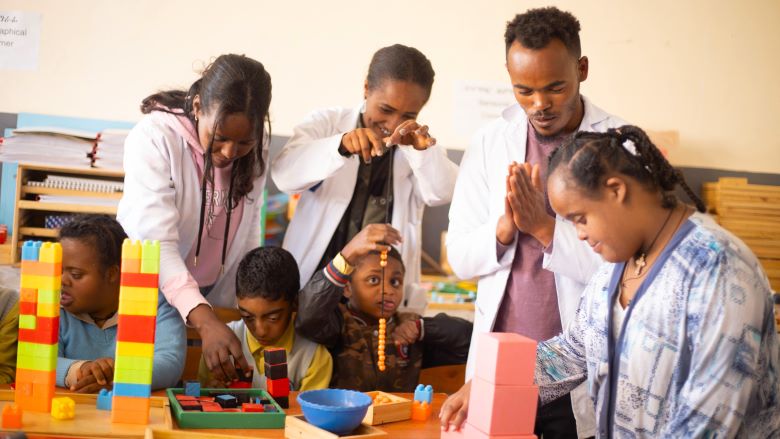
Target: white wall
[(705, 68)]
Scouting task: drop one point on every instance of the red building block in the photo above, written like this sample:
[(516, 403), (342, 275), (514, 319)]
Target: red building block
[(255, 408), (421, 411), (143, 280), (468, 431), (502, 410), (280, 387), (12, 417), (506, 359), (137, 329), (28, 308)]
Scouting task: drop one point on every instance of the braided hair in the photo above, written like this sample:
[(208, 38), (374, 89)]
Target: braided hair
[(627, 150)]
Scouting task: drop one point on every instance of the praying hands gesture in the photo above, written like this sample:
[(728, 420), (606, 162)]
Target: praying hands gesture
[(524, 206)]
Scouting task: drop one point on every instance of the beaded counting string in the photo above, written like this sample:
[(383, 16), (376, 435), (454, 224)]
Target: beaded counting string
[(382, 321)]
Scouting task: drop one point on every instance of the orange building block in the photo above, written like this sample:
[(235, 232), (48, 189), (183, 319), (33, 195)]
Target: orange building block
[(506, 359), (421, 411), (38, 268), (12, 417), (468, 431), (129, 410), (145, 280), (28, 295), (137, 329), (502, 410)]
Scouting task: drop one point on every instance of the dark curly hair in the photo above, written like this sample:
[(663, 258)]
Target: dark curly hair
[(400, 63), (230, 84), (535, 28), (590, 157), (392, 253), (270, 273), (102, 232)]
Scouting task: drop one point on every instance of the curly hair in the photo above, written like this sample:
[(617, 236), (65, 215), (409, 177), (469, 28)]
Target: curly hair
[(270, 273), (400, 63), (102, 232), (590, 157), (535, 28)]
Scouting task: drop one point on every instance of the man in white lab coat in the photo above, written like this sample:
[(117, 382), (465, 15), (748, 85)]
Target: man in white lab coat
[(502, 229)]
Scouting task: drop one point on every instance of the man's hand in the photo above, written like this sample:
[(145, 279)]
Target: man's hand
[(527, 202)]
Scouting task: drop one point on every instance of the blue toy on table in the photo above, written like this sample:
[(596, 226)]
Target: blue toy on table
[(104, 399), (423, 393)]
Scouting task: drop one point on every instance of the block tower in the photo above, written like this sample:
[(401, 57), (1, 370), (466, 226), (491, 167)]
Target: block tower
[(277, 383), (135, 333), (39, 323), (503, 395)]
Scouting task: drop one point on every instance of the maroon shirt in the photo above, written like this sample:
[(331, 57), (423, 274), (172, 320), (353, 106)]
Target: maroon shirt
[(530, 303)]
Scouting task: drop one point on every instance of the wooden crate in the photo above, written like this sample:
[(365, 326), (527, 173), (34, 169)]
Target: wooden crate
[(399, 409), (296, 427), (752, 213)]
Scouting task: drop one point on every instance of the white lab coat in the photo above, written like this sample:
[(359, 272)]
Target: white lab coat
[(161, 201), (477, 205), (310, 164)]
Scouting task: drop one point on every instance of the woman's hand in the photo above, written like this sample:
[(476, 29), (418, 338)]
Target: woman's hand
[(411, 133), (220, 345), (373, 237), (455, 408), (364, 142)]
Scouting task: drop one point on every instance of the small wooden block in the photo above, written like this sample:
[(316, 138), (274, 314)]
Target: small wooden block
[(397, 409), (275, 355), (252, 408), (296, 427)]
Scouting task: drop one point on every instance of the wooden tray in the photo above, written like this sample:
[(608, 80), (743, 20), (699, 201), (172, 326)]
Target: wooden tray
[(400, 409), (296, 427), (89, 421), (197, 419)]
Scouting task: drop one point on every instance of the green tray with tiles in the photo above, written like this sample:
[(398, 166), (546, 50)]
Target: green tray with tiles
[(239, 420)]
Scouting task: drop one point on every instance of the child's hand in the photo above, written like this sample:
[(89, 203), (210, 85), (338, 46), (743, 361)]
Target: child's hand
[(411, 133), (94, 375), (373, 237), (406, 333)]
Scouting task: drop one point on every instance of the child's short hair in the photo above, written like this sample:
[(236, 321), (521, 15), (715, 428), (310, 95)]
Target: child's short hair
[(392, 253), (102, 231), (268, 272)]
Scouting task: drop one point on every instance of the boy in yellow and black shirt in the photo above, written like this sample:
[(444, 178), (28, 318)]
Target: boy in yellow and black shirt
[(267, 284)]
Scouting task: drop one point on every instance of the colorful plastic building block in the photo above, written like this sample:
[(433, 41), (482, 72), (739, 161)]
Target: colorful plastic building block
[(129, 409), (12, 417), (423, 393), (506, 358), (421, 411), (192, 388), (63, 408), (104, 399), (39, 313)]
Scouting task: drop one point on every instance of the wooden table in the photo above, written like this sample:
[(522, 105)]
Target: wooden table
[(168, 429)]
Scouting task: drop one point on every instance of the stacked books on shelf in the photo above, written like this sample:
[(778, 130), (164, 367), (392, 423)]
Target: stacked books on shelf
[(65, 147)]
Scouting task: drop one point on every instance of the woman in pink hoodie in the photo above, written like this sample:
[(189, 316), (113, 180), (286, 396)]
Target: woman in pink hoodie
[(194, 179)]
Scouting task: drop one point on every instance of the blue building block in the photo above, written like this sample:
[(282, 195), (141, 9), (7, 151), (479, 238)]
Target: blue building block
[(423, 394), (104, 399), (192, 388), (30, 250), (136, 390)]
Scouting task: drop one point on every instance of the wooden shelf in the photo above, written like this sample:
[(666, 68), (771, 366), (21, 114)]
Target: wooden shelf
[(30, 215), (38, 231), (65, 207)]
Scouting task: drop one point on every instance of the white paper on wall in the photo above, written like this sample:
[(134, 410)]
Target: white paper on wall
[(20, 37), (477, 103)]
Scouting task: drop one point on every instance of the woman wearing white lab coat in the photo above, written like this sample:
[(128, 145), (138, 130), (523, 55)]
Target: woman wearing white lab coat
[(478, 204), (322, 162)]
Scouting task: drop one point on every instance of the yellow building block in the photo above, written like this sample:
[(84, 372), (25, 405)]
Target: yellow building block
[(48, 309), (41, 282), (63, 408), (136, 308), (36, 363), (133, 363), (131, 349), (49, 296), (150, 257), (50, 252), (27, 321), (138, 294), (132, 376), (37, 349)]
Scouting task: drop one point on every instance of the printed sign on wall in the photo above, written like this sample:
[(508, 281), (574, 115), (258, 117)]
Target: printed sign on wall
[(20, 37)]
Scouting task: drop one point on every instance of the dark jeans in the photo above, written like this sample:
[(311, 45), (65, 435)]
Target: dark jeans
[(555, 420)]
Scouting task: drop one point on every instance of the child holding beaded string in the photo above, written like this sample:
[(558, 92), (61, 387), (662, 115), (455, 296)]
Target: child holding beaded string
[(350, 306)]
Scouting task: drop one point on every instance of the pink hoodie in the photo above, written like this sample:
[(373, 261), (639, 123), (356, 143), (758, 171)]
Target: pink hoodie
[(208, 269)]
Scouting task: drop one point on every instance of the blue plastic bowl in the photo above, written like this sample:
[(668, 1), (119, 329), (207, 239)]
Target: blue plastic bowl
[(338, 411)]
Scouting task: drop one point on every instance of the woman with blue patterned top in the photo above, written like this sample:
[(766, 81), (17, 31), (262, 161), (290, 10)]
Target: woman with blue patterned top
[(675, 333)]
